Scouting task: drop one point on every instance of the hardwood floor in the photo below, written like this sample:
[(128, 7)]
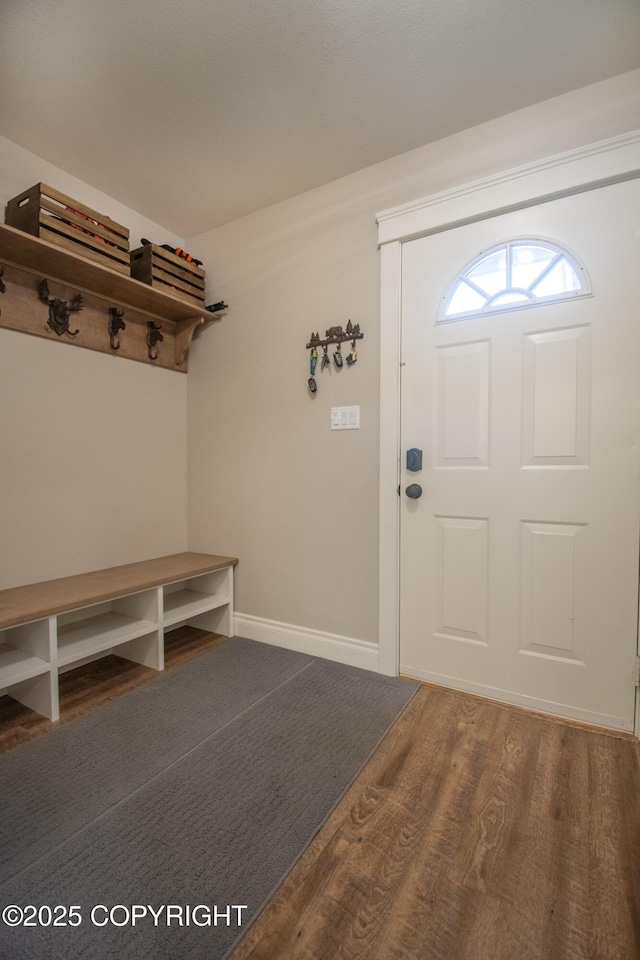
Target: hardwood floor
[(476, 832), (88, 686)]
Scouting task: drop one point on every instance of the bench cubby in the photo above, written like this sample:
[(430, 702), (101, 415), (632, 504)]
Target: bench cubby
[(116, 623), (196, 599)]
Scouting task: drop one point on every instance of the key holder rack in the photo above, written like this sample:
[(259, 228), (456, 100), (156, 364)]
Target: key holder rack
[(337, 336)]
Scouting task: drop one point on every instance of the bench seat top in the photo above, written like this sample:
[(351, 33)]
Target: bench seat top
[(34, 601)]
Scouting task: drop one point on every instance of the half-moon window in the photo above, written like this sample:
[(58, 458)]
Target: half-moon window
[(516, 274)]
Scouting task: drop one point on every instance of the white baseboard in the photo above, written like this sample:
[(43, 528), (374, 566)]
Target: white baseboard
[(356, 653), (521, 700)]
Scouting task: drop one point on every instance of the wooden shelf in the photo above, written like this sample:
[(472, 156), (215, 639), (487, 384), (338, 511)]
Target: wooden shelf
[(106, 294), (46, 259)]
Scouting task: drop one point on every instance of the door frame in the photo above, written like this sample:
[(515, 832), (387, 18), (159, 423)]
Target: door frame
[(588, 168)]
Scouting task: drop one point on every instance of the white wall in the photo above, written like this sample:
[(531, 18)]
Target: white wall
[(93, 455), (268, 481), (93, 452), (20, 169)]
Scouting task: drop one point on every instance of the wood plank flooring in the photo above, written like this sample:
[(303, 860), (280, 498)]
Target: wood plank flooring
[(476, 832)]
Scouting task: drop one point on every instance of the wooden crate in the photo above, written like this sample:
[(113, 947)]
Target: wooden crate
[(51, 215), (161, 268)]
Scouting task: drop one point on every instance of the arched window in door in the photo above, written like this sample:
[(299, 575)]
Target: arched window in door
[(512, 275)]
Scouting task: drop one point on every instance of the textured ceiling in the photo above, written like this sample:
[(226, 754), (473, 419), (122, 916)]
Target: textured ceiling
[(198, 112)]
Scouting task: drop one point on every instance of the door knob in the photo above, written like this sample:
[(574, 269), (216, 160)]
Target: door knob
[(414, 491)]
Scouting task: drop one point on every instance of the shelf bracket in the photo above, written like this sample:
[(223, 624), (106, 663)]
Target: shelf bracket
[(184, 335)]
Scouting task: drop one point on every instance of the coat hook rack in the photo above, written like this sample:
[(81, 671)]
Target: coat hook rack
[(116, 323)]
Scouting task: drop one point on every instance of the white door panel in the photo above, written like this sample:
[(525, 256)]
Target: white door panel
[(519, 563)]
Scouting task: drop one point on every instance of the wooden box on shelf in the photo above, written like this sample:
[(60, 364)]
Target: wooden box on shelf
[(46, 213), (166, 271)]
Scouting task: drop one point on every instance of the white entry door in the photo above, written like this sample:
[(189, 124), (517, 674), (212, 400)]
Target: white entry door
[(519, 561)]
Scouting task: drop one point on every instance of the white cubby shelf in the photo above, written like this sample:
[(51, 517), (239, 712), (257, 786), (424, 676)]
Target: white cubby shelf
[(198, 595), (51, 627), (16, 665)]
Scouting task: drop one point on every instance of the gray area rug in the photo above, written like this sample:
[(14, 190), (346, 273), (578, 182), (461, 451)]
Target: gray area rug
[(192, 794)]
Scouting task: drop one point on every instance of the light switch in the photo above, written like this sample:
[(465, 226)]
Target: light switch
[(345, 418)]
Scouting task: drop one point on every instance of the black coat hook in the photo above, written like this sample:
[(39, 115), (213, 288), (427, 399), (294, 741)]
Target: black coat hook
[(59, 310), (153, 336), (116, 323)]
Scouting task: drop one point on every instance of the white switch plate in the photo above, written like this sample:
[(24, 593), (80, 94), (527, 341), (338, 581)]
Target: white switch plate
[(345, 418)]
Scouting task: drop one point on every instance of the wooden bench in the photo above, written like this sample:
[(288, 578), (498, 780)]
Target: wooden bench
[(47, 628)]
